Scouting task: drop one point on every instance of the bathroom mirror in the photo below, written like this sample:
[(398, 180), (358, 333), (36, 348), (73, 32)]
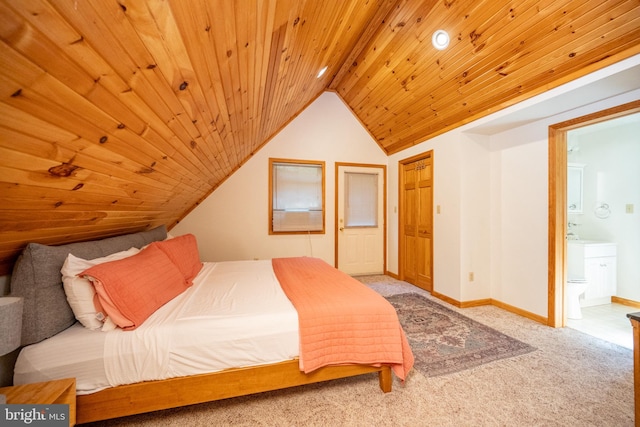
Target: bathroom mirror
[(574, 187)]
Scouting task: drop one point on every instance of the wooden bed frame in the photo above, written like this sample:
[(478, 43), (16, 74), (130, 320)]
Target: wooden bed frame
[(36, 277), (156, 395)]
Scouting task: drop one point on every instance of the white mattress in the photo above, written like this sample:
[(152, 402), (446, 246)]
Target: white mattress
[(234, 315)]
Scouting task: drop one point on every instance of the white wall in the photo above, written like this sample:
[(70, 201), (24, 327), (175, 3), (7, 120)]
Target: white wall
[(461, 179), (449, 185), (475, 215), (519, 232), (232, 223), (492, 191), (611, 157)]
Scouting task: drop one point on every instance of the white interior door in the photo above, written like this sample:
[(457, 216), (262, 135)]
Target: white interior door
[(360, 219)]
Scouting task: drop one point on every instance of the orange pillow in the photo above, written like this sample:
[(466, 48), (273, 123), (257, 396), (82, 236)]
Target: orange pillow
[(183, 251), (132, 289)]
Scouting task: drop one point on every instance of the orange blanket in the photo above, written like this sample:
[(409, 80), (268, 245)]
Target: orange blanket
[(341, 320)]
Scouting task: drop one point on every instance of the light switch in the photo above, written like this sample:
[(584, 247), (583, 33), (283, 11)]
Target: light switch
[(629, 208)]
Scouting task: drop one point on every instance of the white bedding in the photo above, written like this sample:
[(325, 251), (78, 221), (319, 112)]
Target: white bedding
[(234, 315)]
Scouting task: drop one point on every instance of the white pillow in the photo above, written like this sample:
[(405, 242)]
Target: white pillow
[(80, 291)]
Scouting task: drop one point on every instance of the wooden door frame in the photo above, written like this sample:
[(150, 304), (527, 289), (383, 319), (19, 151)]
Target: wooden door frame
[(384, 209), (558, 201), (401, 163)]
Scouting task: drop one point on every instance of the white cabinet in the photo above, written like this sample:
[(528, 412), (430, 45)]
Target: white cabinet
[(596, 262)]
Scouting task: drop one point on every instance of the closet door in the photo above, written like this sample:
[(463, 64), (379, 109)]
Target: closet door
[(409, 227), (416, 221), (424, 215)]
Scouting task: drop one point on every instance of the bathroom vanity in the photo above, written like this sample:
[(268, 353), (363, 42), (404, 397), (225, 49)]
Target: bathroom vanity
[(594, 261)]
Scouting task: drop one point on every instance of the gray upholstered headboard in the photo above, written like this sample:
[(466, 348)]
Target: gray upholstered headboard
[(36, 277)]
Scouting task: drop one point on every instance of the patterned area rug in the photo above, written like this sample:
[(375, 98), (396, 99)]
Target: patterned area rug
[(444, 341)]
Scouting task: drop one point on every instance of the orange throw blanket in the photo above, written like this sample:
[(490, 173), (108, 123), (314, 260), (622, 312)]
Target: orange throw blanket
[(341, 320)]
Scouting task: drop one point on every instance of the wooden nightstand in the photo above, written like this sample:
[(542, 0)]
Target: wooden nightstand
[(56, 392)]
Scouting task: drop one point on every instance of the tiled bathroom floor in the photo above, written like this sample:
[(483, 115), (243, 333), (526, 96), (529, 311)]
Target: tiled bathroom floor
[(608, 322)]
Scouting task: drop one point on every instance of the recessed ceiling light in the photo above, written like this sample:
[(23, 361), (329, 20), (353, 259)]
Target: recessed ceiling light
[(321, 72), (440, 39)]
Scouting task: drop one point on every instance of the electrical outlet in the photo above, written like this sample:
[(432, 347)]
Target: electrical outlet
[(471, 276), (629, 208)]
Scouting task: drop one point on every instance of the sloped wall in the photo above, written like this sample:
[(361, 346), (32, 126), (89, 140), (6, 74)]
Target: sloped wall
[(232, 223)]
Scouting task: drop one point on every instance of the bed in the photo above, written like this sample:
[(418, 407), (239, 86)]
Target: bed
[(232, 329)]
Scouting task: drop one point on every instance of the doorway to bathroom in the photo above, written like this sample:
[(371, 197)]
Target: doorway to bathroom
[(602, 208)]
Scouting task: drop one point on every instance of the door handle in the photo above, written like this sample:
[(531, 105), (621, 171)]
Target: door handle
[(341, 228)]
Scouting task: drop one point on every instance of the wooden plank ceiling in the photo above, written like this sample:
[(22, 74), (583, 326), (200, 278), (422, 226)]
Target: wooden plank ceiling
[(121, 115)]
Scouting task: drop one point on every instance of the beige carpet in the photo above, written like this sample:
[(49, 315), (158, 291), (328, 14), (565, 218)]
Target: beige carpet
[(572, 379)]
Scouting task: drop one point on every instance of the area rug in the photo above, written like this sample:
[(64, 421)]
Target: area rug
[(444, 341)]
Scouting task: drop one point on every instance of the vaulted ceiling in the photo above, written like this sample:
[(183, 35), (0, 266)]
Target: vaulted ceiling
[(121, 115)]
